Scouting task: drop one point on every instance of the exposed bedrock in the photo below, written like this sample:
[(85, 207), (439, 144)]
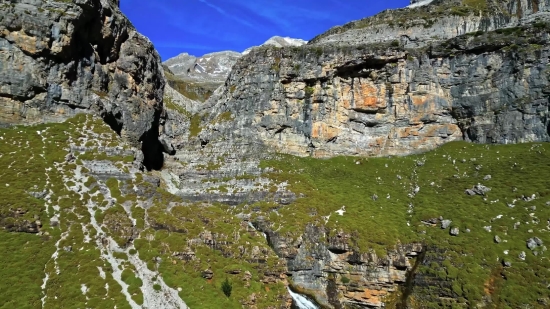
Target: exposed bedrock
[(59, 58), (383, 99)]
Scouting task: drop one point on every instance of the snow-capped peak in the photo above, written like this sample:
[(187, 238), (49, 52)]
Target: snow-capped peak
[(278, 41)]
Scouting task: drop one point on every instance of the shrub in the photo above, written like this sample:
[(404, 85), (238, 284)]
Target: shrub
[(227, 287), (309, 91)]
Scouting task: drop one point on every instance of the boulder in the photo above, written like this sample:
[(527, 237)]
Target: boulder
[(207, 274), (454, 231)]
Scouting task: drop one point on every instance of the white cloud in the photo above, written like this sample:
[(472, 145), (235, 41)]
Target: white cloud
[(224, 13)]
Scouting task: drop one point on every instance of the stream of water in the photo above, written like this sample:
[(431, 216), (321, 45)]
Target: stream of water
[(301, 301)]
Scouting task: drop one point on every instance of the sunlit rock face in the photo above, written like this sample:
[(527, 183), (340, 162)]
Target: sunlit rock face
[(59, 58), (383, 100)]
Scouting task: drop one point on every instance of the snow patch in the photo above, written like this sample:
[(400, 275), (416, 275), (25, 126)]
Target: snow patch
[(420, 3)]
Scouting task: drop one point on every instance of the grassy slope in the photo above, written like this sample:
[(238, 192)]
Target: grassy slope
[(516, 170), (26, 258), (472, 260), (33, 154)]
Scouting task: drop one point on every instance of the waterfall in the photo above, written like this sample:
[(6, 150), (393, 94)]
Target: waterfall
[(301, 301), (255, 229)]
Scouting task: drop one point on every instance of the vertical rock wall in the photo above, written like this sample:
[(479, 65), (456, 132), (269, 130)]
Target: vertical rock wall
[(60, 58)]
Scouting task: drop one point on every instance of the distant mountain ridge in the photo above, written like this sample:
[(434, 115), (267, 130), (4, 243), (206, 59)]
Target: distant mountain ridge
[(278, 41), (212, 67), (215, 67)]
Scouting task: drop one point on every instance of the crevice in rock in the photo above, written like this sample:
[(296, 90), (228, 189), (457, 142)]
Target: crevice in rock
[(337, 250), (332, 293), (281, 129), (368, 111), (114, 121), (153, 157), (364, 68), (407, 289)]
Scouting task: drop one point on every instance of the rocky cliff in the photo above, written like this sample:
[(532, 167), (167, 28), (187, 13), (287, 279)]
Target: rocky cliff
[(430, 21), (198, 77), (402, 82), (60, 58), (387, 98)]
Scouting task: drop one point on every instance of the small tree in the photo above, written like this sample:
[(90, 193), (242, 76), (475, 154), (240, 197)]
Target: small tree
[(227, 287)]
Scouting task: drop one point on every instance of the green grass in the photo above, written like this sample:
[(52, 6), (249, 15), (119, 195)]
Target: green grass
[(23, 263), (169, 103), (476, 4), (379, 225), (195, 127), (469, 266), (34, 154), (223, 117)]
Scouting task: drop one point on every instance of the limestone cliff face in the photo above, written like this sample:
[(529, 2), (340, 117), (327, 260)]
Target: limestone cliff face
[(59, 58), (438, 20), (384, 99), (324, 266)]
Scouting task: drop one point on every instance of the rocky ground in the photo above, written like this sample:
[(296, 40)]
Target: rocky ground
[(109, 235), (292, 174)]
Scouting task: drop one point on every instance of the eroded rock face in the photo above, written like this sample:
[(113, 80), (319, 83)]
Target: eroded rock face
[(60, 58), (324, 265), (427, 21), (380, 100)]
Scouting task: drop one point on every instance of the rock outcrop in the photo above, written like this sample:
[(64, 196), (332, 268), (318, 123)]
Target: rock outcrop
[(59, 58), (385, 98), (198, 77), (424, 22), (325, 267)]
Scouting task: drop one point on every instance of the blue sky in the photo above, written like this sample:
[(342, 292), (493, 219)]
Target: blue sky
[(202, 26)]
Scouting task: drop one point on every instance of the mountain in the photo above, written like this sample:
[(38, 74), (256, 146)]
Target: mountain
[(398, 161), (198, 77), (419, 88), (278, 41), (213, 67), (417, 3)]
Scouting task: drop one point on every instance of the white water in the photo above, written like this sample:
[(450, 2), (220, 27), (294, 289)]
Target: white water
[(302, 302)]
